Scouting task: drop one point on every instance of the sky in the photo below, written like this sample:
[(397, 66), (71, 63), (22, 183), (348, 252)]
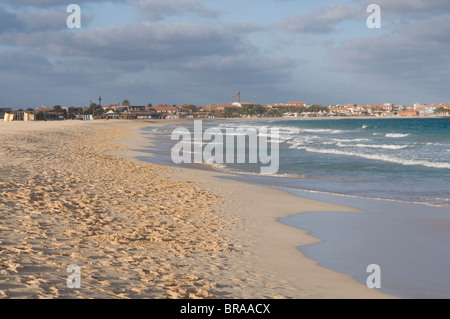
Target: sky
[(201, 51)]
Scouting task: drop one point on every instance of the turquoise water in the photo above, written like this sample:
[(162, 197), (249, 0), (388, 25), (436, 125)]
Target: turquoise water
[(401, 159)]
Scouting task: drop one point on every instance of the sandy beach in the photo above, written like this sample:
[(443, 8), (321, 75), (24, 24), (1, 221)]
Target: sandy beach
[(72, 193)]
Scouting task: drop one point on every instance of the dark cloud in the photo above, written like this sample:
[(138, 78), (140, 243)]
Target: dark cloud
[(146, 41), (147, 54), (8, 21), (32, 21)]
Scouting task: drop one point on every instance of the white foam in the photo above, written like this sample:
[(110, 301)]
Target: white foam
[(350, 140), (396, 135), (322, 131), (381, 146), (380, 157)]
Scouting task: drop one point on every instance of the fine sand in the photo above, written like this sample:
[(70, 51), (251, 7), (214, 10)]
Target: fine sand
[(71, 194)]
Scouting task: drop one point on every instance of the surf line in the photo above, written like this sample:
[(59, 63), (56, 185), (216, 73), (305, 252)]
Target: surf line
[(228, 147)]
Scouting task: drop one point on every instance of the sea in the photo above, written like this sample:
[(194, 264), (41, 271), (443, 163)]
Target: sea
[(396, 170)]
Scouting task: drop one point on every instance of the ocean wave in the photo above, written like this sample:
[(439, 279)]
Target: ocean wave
[(379, 157), (322, 131), (345, 140), (396, 135), (304, 140), (381, 146)]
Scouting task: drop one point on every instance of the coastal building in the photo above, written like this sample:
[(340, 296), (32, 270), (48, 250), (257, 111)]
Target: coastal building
[(340, 111), (111, 106), (206, 109), (144, 114), (418, 105), (293, 104), (138, 108), (116, 107), (44, 109), (111, 115), (387, 106), (75, 110), (164, 108), (431, 108), (408, 113), (421, 110), (296, 104)]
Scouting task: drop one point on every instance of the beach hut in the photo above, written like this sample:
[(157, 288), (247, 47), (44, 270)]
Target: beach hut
[(111, 115), (28, 116), (9, 117), (88, 117)]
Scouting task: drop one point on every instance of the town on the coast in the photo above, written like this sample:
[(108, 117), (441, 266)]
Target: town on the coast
[(295, 109)]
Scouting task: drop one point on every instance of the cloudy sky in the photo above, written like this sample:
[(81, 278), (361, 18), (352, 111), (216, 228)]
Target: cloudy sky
[(198, 51)]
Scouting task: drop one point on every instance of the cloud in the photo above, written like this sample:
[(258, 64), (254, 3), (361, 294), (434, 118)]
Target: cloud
[(415, 57), (8, 21), (402, 8), (323, 20), (158, 9), (53, 3), (31, 21), (242, 69), (158, 41), (122, 58), (22, 61)]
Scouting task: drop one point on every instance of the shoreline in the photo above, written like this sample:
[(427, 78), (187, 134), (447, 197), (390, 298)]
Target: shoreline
[(140, 230), (278, 254)]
